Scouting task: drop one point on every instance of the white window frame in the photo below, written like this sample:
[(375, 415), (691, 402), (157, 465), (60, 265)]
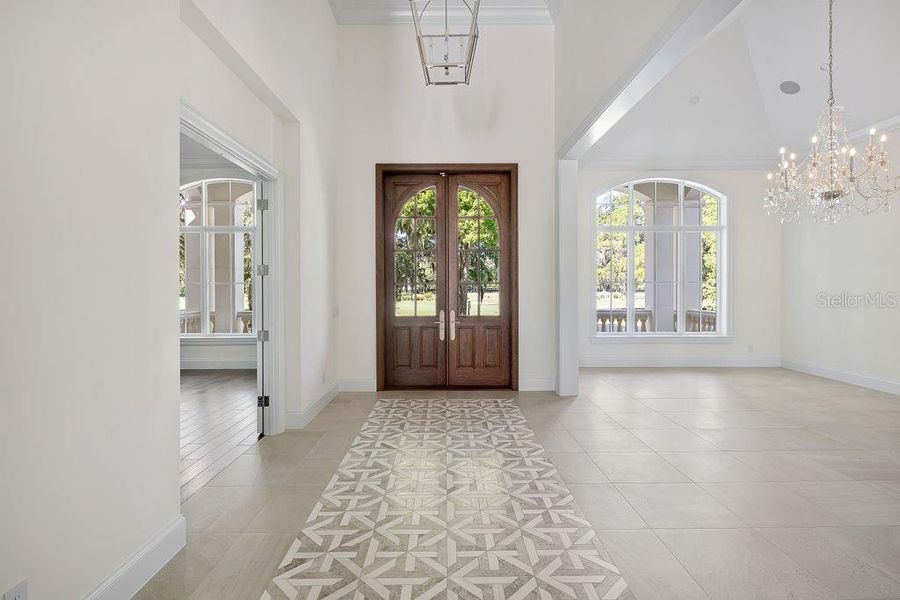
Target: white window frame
[(722, 262), (205, 230)]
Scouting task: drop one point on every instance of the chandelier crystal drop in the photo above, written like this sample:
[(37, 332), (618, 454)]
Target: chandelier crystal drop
[(447, 33), (833, 181)]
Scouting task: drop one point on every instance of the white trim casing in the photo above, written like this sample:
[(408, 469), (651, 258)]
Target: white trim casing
[(680, 361), (135, 572), (866, 381), (197, 127), (566, 279), (359, 385), (209, 364), (298, 419), (723, 266), (537, 384)]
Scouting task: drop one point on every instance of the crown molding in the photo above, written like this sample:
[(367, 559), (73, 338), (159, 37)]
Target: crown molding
[(393, 13)]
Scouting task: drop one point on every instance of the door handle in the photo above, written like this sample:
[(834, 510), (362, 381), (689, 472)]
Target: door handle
[(453, 324), (441, 325)]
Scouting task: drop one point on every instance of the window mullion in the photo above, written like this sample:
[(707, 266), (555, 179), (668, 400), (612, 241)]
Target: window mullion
[(629, 265), (680, 265), (204, 264)]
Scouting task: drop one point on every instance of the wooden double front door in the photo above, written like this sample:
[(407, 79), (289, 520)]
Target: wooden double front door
[(447, 294)]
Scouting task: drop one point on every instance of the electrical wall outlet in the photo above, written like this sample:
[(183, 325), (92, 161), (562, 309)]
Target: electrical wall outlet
[(20, 592)]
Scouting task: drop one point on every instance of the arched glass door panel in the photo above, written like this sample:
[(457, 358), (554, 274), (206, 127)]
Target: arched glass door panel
[(415, 257)]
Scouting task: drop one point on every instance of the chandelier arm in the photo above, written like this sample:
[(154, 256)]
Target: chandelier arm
[(830, 52)]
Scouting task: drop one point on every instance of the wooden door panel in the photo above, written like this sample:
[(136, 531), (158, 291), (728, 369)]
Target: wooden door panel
[(455, 252), (429, 348), (493, 346), (413, 280), (479, 232), (465, 347), (402, 348)]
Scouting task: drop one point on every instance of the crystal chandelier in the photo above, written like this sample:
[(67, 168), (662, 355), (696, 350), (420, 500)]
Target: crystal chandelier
[(832, 182), (447, 33)]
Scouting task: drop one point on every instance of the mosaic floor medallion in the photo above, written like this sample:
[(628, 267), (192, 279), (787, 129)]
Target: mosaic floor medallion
[(450, 499)]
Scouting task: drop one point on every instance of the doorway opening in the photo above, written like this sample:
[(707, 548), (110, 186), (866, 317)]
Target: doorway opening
[(225, 302), (447, 292)]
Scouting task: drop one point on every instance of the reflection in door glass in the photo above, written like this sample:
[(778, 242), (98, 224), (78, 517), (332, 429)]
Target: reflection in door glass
[(415, 243), (478, 238)]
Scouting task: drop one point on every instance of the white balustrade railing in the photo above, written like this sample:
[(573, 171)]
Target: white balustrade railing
[(615, 320), (191, 322)]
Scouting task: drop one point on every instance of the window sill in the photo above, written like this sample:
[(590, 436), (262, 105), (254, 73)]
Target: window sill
[(660, 339), (220, 339)]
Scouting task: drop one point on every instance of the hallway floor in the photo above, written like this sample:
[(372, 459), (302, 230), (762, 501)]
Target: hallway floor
[(699, 483), (218, 423)]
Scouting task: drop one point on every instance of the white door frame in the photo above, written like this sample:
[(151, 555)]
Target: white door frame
[(196, 126)]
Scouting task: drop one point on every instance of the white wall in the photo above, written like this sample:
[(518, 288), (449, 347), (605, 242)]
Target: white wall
[(755, 268), (594, 50), (89, 351), (388, 115), (857, 256), (292, 46), (218, 354), (90, 361)]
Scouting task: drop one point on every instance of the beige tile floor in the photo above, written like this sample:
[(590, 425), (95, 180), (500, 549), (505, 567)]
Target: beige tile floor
[(701, 483)]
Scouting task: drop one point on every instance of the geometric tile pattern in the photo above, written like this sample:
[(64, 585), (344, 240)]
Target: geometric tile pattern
[(451, 499)]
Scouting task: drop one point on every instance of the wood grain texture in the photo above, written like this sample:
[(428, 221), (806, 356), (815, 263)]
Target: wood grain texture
[(218, 423), (492, 345)]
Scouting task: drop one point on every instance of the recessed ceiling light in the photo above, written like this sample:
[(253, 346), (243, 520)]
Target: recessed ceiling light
[(789, 87), (694, 100)]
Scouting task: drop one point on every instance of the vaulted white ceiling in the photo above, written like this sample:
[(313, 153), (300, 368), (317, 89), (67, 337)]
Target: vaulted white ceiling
[(492, 12), (738, 116)]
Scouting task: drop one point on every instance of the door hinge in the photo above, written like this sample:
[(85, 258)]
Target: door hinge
[(262, 401), (262, 335), (262, 270), (262, 204)]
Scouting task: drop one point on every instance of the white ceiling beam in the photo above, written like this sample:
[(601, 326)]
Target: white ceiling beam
[(692, 23)]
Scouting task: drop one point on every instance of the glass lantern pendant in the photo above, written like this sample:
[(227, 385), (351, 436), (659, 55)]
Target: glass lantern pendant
[(446, 33)]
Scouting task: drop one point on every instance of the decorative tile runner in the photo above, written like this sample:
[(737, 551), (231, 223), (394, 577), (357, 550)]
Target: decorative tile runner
[(450, 499)]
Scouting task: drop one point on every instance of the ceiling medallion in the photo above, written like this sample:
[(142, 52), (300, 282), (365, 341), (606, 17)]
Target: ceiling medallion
[(832, 183), (447, 33)]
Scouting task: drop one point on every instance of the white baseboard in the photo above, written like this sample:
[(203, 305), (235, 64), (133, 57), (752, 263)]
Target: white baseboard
[(131, 576), (358, 385), (205, 364), (537, 385), (298, 419), (680, 361), (874, 383)]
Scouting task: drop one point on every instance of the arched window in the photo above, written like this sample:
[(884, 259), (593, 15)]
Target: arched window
[(660, 260), (217, 218)]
